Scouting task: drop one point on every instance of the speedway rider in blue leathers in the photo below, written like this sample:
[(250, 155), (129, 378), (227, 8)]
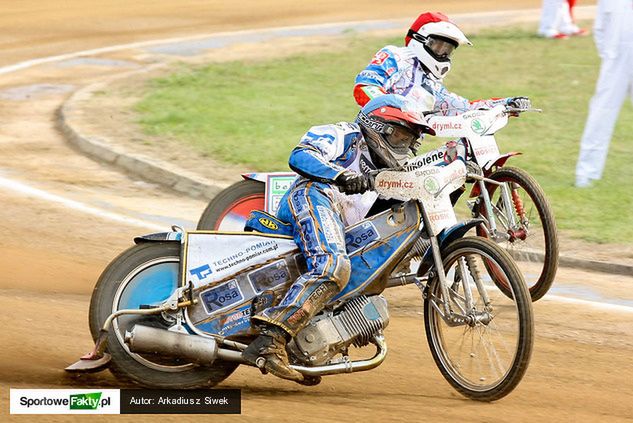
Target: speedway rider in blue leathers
[(416, 71), (330, 193)]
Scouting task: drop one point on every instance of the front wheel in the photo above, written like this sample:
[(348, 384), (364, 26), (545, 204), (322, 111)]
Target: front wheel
[(532, 238), (146, 274), (483, 345)]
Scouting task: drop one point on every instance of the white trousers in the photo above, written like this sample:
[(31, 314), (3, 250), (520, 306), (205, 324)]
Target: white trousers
[(556, 19), (614, 84)]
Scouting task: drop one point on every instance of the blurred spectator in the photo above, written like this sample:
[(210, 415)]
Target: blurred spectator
[(557, 20), (613, 34)]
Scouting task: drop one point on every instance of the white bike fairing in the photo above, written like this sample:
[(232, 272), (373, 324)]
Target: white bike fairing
[(211, 257)]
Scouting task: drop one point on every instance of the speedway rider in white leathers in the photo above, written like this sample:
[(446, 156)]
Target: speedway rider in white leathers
[(331, 192), (417, 70), (613, 34)]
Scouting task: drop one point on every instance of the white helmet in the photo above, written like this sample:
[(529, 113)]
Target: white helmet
[(432, 37)]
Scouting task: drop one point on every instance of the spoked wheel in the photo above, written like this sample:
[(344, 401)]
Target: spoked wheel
[(483, 346), (229, 209), (533, 240), (146, 274)]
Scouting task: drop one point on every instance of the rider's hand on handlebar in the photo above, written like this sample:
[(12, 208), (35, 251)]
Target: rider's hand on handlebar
[(350, 182), (519, 103)]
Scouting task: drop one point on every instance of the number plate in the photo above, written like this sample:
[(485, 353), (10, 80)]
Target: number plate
[(221, 297)]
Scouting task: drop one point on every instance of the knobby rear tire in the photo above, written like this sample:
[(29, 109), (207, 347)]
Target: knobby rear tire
[(230, 198)]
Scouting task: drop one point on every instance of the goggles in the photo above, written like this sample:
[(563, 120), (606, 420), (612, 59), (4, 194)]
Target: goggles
[(441, 48), (400, 137)]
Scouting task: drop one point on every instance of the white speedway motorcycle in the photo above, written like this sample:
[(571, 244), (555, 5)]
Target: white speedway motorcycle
[(514, 209), (174, 310)]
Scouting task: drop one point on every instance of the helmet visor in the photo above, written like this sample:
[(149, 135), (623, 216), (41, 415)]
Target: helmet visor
[(442, 49), (400, 138)]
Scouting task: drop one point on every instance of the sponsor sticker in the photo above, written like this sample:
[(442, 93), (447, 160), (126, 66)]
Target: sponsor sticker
[(276, 187), (443, 126), (270, 276), (395, 184), (236, 322), (360, 236), (331, 229), (268, 223), (477, 126), (201, 272), (431, 185), (221, 297), (246, 253)]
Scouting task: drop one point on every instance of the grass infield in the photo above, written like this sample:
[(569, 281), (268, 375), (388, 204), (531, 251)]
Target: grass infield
[(253, 113)]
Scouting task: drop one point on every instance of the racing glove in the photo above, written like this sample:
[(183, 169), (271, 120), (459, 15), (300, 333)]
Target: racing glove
[(350, 182), (521, 103)]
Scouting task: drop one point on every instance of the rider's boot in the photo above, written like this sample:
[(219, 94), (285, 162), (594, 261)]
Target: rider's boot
[(268, 352)]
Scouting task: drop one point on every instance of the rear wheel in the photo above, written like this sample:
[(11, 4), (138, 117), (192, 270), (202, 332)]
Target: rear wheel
[(229, 209), (533, 240), (483, 346), (146, 274)]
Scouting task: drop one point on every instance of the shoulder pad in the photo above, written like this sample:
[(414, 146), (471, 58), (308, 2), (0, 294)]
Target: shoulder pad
[(347, 127), (405, 53)]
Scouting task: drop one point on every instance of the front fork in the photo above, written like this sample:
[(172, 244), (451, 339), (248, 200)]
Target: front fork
[(467, 268), (510, 202), (457, 310)]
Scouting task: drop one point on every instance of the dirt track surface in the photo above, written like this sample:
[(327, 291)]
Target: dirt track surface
[(52, 254)]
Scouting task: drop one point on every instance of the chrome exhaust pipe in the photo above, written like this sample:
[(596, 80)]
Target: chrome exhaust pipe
[(349, 366), (204, 351), (193, 348)]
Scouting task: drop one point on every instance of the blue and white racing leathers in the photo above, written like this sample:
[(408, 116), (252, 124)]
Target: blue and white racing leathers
[(319, 212)]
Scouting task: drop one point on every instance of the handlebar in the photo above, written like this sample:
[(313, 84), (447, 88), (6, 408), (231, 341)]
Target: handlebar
[(513, 110)]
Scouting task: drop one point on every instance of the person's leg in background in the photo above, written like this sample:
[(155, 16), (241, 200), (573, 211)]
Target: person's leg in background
[(551, 19), (611, 90)]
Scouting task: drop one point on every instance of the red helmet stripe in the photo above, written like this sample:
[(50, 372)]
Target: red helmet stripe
[(423, 19)]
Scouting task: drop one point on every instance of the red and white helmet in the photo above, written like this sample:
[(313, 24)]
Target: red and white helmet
[(433, 37)]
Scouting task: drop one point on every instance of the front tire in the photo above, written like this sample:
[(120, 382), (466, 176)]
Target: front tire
[(485, 351), (146, 274)]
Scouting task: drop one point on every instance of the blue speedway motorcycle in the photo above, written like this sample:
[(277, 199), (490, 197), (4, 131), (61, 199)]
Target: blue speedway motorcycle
[(173, 311)]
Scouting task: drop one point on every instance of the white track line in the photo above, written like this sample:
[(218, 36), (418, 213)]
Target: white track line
[(595, 304), (28, 191)]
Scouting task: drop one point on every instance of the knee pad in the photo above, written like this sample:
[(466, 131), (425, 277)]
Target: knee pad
[(341, 271)]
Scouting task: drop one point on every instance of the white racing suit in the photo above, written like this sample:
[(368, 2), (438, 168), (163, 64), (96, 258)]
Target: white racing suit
[(396, 70)]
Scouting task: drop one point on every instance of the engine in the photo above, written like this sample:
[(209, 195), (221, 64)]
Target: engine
[(355, 322)]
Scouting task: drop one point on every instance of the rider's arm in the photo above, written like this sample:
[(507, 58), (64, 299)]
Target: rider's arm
[(377, 77), (448, 103), (322, 151)]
